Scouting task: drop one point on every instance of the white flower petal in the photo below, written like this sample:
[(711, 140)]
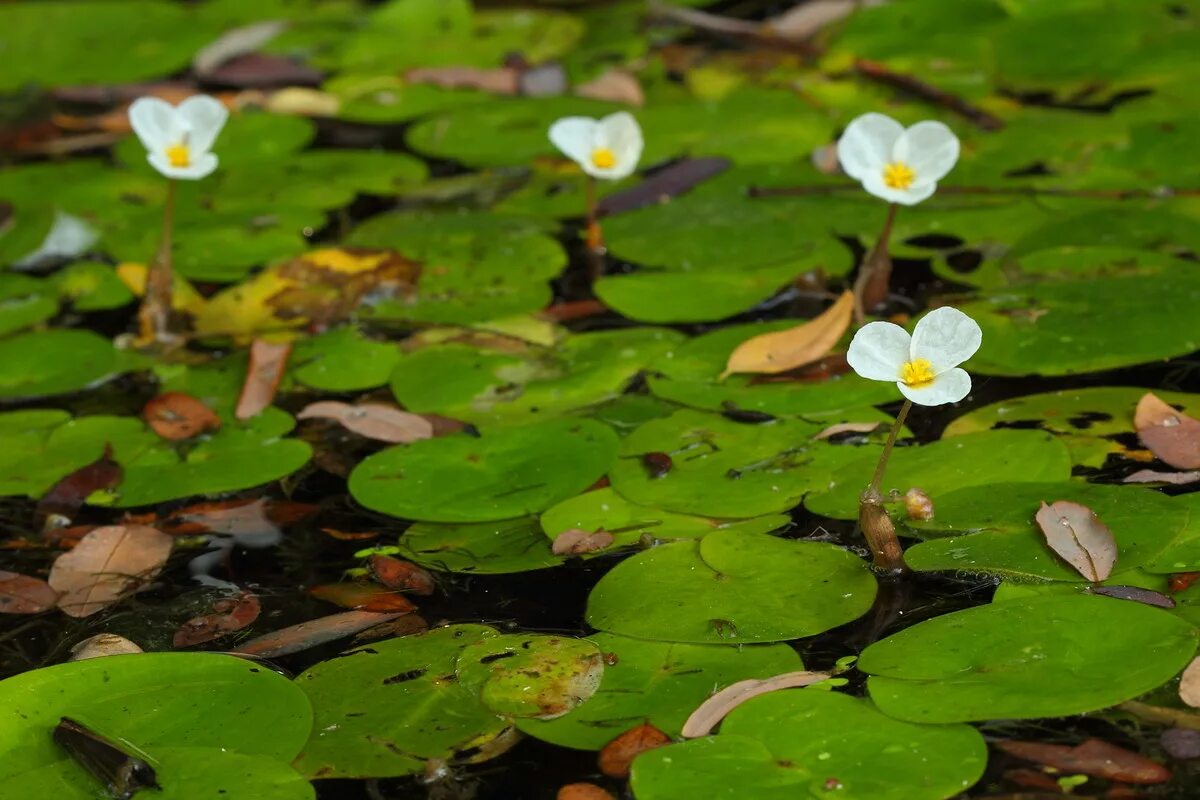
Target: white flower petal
[(620, 133), (879, 350), (867, 144), (930, 149), (945, 337), (575, 137), (155, 122), (204, 116), (874, 184), (201, 167), (949, 387)]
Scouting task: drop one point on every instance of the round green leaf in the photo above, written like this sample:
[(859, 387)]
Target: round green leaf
[(484, 548), (1023, 659), (532, 676), (56, 361), (342, 360)]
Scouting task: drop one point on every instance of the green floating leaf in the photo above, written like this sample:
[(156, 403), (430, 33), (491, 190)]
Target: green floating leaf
[(657, 682), (40, 446), (813, 743), (24, 302), (384, 99), (230, 706), (481, 384), (503, 473), (1024, 659), (1183, 554), (385, 709), (976, 459), (90, 286), (732, 587), (481, 548), (51, 362), (532, 676), (343, 360), (1003, 539), (629, 523)]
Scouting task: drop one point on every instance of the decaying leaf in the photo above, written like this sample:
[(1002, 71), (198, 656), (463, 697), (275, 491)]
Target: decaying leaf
[(68, 495), (104, 644), (1189, 684), (616, 756), (229, 614), (1135, 593), (1171, 435), (372, 420), (668, 182), (1075, 533), (23, 594), (403, 576), (786, 350), (616, 85), (362, 597), (917, 504), (1154, 476), (400, 626), (716, 708), (258, 517), (268, 361), (175, 416), (846, 427), (1094, 757), (503, 80), (107, 565), (583, 791), (657, 464), (315, 632), (573, 542)]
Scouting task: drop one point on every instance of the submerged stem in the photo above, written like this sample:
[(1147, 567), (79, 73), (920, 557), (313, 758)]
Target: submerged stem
[(873, 518), (875, 274), (154, 317), (594, 236)]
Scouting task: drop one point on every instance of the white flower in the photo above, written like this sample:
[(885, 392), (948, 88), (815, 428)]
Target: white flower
[(605, 148), (924, 365), (178, 138), (897, 164)]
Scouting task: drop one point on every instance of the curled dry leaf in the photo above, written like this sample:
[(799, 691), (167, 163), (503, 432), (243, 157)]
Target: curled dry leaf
[(573, 542), (1135, 593), (229, 614), (403, 576), (1075, 533), (107, 565), (175, 416), (268, 360), (1171, 435), (917, 504), (103, 644), (583, 791), (1189, 684), (68, 495), (1154, 476), (846, 427), (786, 350), (296, 638), (362, 597), (616, 756), (716, 708), (372, 420), (1094, 757), (615, 86), (23, 594)]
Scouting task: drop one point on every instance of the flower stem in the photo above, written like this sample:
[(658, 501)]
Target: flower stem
[(154, 317), (877, 527), (875, 273), (594, 236)]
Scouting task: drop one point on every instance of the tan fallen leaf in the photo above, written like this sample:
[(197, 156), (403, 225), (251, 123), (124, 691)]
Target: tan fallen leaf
[(1154, 476), (108, 565), (372, 420), (268, 360), (616, 86), (1173, 436), (315, 632), (504, 80), (301, 101), (716, 708), (573, 542), (1189, 684), (786, 350), (23, 594), (104, 644), (1075, 533), (847, 427)]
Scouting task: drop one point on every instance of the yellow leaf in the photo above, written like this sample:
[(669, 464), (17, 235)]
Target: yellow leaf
[(184, 296), (785, 350)]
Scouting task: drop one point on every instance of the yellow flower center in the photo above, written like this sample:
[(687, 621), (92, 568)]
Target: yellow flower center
[(603, 158), (898, 175), (916, 373), (178, 155)]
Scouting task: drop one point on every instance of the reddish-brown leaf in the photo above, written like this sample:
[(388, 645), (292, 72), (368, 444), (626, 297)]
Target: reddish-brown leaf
[(1171, 435), (242, 517), (573, 542), (403, 576), (106, 566), (714, 709), (229, 614), (68, 495), (657, 464), (1180, 581), (617, 755), (175, 416), (350, 536), (400, 626), (268, 360), (583, 791), (22, 594), (372, 420), (1094, 757), (1075, 533), (1189, 684), (362, 597), (296, 638)]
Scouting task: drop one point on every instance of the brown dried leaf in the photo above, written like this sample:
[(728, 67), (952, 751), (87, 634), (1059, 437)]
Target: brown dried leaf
[(1154, 476), (716, 708), (401, 626), (242, 517), (807, 19), (1075, 533), (1094, 757), (679, 178), (372, 420), (657, 464), (268, 360), (22, 594), (362, 597), (583, 791), (573, 542), (786, 350), (615, 86), (505, 80), (104, 644), (315, 632), (68, 495), (1135, 594), (616, 756), (350, 536), (175, 416), (1189, 684), (403, 576), (263, 71), (107, 565), (847, 427), (1172, 435), (229, 614)]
